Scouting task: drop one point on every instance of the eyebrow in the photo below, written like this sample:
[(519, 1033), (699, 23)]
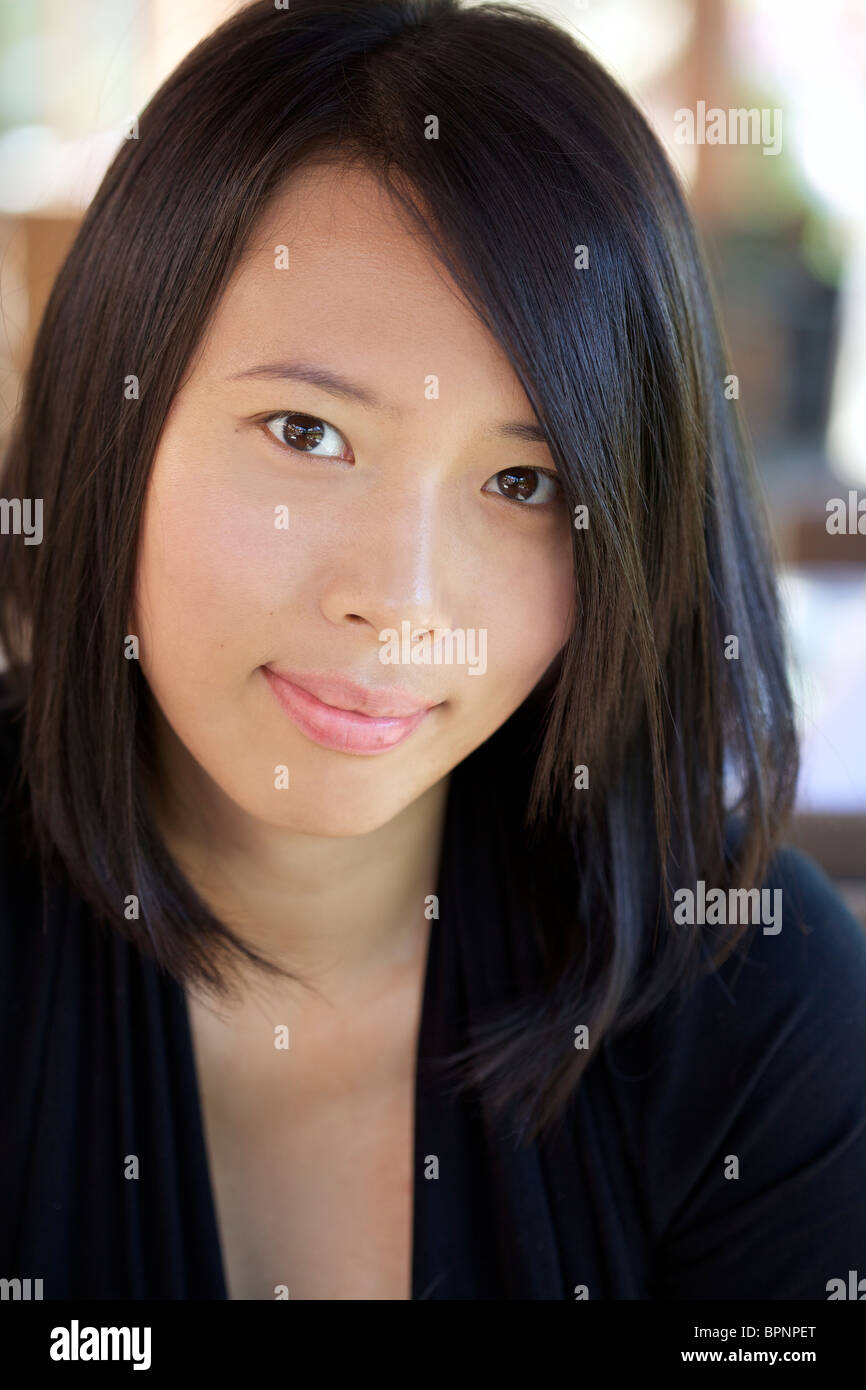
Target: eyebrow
[(337, 385)]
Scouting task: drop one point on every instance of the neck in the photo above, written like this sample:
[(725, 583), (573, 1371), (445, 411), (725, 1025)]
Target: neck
[(335, 910)]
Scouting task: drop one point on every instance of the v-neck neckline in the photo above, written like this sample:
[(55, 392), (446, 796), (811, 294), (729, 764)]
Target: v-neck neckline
[(422, 1052)]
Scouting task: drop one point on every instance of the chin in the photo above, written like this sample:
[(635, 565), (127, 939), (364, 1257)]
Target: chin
[(332, 803)]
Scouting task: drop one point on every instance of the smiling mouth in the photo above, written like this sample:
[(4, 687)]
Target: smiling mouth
[(345, 730)]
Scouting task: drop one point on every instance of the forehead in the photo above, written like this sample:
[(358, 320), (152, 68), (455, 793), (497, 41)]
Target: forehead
[(333, 271)]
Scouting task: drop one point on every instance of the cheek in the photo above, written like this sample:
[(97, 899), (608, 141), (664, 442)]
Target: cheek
[(213, 564), (523, 596), (531, 611)]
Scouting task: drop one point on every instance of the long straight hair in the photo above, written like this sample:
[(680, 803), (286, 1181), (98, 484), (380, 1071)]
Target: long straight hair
[(541, 189)]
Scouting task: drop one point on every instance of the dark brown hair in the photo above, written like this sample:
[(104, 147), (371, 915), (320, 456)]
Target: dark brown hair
[(538, 152)]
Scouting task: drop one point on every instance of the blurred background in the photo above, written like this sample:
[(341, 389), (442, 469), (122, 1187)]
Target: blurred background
[(782, 214)]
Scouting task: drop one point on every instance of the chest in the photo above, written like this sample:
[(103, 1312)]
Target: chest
[(318, 1206), (311, 1173)]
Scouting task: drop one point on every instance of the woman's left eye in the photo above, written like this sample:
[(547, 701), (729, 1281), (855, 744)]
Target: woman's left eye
[(304, 433), (521, 485)]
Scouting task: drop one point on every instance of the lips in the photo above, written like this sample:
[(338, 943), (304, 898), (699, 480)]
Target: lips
[(338, 713)]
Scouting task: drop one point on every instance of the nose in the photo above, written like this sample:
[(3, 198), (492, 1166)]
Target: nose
[(396, 561)]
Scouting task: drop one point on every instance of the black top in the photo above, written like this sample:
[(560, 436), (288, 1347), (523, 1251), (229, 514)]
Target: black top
[(766, 1062)]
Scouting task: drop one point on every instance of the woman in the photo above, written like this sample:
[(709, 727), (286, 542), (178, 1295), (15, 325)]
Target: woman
[(396, 720)]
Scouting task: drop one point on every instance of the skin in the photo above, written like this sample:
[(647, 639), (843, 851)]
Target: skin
[(311, 1157)]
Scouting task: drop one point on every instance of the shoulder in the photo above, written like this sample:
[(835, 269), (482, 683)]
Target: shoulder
[(799, 971), (746, 1105), (803, 951), (797, 989), (786, 1013), (807, 951)]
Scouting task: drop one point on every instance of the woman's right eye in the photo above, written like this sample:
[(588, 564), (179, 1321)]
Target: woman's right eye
[(304, 433)]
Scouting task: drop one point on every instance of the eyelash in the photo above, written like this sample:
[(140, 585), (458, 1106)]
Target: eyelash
[(268, 420)]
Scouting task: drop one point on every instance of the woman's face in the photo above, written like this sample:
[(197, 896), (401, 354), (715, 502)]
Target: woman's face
[(413, 510)]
